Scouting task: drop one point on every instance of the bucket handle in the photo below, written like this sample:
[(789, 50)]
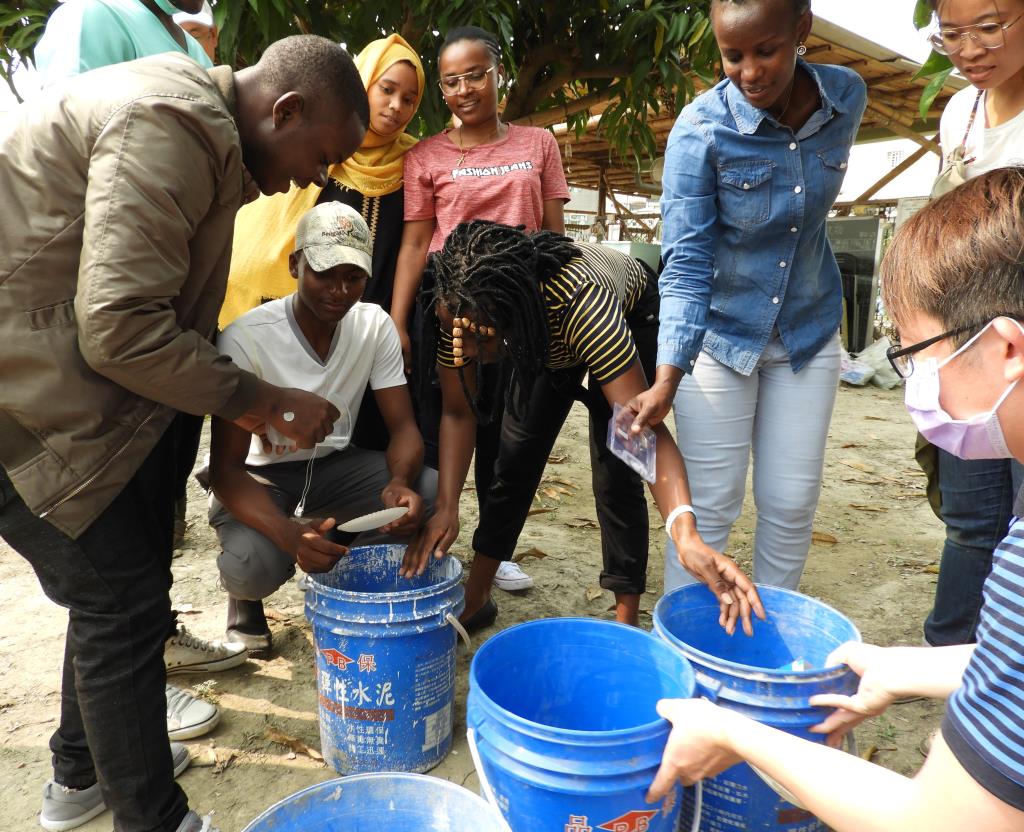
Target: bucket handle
[(485, 785), (786, 794), (451, 619), (710, 685)]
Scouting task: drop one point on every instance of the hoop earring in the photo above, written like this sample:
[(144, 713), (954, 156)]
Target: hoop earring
[(801, 50)]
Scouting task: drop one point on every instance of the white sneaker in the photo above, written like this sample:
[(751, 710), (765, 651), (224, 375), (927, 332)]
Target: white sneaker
[(189, 716), (187, 653), (510, 577)]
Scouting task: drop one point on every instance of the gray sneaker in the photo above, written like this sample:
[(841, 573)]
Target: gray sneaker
[(65, 808), (193, 823), (189, 716), (187, 653)]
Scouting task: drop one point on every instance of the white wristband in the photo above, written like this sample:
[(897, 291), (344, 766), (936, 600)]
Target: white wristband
[(674, 515)]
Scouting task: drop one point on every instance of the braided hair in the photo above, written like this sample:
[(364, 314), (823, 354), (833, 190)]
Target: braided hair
[(494, 271)]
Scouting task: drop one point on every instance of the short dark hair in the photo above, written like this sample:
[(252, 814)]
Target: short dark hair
[(461, 33), (321, 70), (495, 270), (799, 6), (960, 259)]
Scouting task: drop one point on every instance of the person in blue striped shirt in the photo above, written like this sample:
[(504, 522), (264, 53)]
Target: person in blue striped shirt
[(953, 282)]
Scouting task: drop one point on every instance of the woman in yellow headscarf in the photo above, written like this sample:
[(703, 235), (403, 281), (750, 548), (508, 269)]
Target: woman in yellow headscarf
[(370, 181)]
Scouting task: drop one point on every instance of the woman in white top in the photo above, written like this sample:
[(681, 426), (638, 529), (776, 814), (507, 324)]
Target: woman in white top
[(984, 124)]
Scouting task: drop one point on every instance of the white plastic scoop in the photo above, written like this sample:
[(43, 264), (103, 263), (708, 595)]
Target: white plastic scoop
[(374, 520)]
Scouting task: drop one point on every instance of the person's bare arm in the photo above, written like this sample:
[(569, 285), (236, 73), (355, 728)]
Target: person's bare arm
[(412, 257), (457, 441), (404, 455), (554, 216), (847, 793), (249, 502), (736, 593)]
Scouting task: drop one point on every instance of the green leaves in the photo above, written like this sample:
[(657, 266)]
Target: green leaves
[(932, 90), (922, 14), (647, 52)]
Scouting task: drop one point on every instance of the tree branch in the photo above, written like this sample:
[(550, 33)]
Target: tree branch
[(561, 112)]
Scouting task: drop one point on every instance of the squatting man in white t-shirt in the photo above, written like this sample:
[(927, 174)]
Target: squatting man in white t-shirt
[(321, 339)]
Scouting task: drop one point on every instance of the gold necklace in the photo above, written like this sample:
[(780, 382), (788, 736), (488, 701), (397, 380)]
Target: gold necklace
[(464, 150)]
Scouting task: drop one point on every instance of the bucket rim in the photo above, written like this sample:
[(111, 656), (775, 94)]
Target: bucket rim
[(653, 727), (750, 671), (348, 779), (351, 596)]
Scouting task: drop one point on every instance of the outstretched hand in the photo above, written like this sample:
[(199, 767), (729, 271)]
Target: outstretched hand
[(435, 538), (875, 666), (696, 748), (312, 550), (736, 593)]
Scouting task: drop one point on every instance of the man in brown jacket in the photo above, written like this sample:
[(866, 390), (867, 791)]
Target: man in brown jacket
[(119, 191)]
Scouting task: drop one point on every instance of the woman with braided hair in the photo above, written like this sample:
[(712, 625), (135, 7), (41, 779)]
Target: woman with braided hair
[(548, 310)]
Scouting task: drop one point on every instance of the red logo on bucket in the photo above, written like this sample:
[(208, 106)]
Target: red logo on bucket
[(337, 658), (634, 821)]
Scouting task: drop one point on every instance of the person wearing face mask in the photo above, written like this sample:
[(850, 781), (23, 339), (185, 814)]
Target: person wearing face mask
[(82, 35), (953, 282), (751, 296), (371, 181), (982, 128)]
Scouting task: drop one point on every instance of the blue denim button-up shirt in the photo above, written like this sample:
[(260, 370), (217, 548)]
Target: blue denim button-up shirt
[(743, 225)]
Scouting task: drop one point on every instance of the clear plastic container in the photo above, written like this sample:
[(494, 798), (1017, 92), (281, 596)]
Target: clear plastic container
[(638, 451)]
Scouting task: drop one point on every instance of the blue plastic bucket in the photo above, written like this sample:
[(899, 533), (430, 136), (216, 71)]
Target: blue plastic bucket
[(563, 716), (376, 802), (755, 676), (385, 660)]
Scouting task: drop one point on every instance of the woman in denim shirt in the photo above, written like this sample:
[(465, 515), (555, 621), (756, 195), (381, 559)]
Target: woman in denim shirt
[(751, 295)]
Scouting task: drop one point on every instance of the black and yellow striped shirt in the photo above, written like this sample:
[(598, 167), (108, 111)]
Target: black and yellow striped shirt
[(587, 303)]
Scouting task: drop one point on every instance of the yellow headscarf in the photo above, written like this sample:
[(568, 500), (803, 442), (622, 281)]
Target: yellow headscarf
[(265, 229)]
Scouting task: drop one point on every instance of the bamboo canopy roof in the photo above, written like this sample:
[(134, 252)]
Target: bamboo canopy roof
[(892, 112)]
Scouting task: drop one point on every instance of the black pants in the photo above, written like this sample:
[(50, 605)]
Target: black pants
[(114, 580), (526, 444)]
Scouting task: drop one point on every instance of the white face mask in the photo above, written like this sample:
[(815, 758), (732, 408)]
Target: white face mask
[(979, 437)]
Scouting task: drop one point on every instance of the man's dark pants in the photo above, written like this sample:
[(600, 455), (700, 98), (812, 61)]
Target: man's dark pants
[(114, 580)]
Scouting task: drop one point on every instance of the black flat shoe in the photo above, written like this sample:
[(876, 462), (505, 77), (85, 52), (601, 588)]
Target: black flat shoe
[(483, 617)]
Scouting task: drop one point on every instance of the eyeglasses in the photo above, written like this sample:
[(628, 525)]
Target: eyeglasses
[(475, 80), (986, 35), (902, 358)]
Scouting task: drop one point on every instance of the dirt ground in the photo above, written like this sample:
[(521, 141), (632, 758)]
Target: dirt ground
[(874, 555)]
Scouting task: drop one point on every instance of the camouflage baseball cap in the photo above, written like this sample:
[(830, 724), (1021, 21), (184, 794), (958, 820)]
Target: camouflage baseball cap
[(333, 233)]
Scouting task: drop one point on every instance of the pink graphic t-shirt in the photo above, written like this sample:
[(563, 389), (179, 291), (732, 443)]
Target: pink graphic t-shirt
[(507, 181)]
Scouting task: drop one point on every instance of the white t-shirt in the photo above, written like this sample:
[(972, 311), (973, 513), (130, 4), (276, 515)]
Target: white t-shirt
[(267, 341), (990, 147)]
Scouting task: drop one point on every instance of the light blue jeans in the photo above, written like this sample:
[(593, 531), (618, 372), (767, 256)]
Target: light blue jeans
[(781, 419)]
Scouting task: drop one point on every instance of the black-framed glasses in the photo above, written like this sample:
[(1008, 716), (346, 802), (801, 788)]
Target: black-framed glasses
[(902, 358), (475, 80), (950, 40)]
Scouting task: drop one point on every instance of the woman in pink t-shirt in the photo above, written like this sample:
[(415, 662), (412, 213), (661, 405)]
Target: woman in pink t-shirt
[(482, 169)]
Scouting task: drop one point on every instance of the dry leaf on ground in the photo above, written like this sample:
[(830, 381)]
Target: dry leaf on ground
[(594, 592), (534, 511), (558, 459), (865, 507), (298, 746), (533, 552), (824, 537), (581, 523), (276, 615)]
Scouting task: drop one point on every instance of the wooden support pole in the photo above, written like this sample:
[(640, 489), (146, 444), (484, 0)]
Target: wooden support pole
[(906, 164)]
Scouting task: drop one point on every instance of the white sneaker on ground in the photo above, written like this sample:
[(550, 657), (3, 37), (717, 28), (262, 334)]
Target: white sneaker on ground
[(511, 578), (187, 653), (189, 716)]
